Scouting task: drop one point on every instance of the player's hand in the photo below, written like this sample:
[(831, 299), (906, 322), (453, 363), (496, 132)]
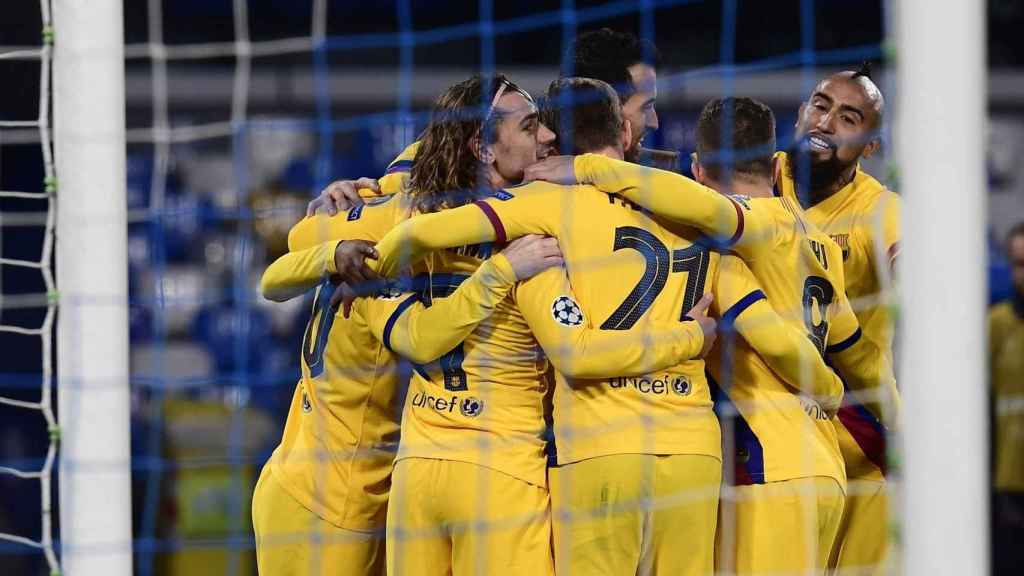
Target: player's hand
[(343, 296), (830, 404), (341, 195), (699, 314), (531, 254), (556, 169), (350, 261)]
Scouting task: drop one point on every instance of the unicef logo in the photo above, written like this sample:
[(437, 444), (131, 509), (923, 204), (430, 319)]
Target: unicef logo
[(681, 386), (566, 311), (471, 407)]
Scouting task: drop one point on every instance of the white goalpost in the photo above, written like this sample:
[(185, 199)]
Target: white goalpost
[(941, 97), (92, 274)]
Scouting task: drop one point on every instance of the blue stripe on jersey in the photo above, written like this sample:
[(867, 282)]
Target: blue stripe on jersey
[(836, 348), (729, 317), (748, 453), (390, 324), (355, 213), (399, 166)]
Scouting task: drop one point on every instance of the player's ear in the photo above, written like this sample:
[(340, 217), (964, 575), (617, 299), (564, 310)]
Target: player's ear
[(482, 152), (775, 170), (871, 148), (696, 169), (799, 114), (627, 133)]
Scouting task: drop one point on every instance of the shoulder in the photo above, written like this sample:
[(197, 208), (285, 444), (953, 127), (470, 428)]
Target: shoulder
[(1001, 313), (871, 194)]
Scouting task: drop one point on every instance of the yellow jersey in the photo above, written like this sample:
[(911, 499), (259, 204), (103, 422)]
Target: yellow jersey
[(1006, 365), (863, 218), (634, 279), (797, 263), (342, 430), (340, 437), (779, 434)]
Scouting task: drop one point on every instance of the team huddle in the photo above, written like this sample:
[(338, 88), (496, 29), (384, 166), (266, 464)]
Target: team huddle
[(612, 368)]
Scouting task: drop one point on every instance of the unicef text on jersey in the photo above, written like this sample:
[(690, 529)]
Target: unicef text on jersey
[(649, 384)]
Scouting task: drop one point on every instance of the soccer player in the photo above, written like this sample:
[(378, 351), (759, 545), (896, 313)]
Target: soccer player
[(331, 473), (320, 503), (1006, 366), (798, 265), (636, 489), (837, 126), (630, 66)]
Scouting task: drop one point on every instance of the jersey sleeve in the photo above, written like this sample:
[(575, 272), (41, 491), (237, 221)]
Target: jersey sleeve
[(366, 222), (580, 351), (294, 273), (890, 231), (864, 367), (729, 222), (499, 219), (421, 333), (744, 310), (396, 176)]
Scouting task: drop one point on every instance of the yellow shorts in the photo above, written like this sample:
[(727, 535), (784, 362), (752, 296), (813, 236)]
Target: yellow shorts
[(863, 540), (292, 541), (448, 517), (636, 514), (785, 527)]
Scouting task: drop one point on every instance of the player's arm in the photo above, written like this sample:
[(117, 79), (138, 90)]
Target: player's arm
[(294, 273), (494, 219), (867, 371), (422, 333), (580, 351), (890, 233), (787, 350), (366, 221), (678, 198)]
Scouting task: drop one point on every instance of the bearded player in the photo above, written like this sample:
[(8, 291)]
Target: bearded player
[(838, 126)]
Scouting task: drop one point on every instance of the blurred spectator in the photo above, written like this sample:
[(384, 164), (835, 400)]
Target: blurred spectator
[(1006, 346)]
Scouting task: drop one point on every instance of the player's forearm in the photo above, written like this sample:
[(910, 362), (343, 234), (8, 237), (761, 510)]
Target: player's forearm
[(664, 193), (590, 353), (424, 334), (868, 374), (790, 354), (410, 241), (294, 273)]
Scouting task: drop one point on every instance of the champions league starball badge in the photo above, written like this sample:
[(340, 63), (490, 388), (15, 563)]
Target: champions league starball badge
[(566, 311)]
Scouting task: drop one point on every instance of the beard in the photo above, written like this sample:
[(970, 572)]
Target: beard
[(812, 176)]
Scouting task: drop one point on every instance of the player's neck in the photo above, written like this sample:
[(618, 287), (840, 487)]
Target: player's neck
[(609, 151), (752, 187), (761, 188), (816, 197)]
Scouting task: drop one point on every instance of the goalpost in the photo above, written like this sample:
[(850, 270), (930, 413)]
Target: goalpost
[(92, 275), (941, 104)]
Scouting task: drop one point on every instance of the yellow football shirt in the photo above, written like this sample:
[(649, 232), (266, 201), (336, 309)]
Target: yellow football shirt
[(1006, 365), (864, 220), (762, 233), (780, 435), (340, 438), (631, 275), (342, 430)]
